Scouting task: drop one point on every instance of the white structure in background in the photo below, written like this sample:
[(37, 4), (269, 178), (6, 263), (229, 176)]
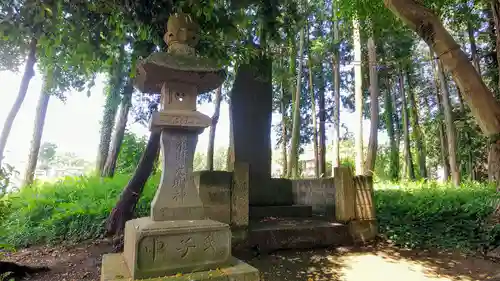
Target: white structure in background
[(58, 172)]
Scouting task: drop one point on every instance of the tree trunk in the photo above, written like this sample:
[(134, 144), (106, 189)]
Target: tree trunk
[(313, 116), (114, 151), (442, 135), (469, 163), (109, 113), (125, 207), (473, 47), (410, 173), (484, 107), (450, 127), (293, 166), (41, 112), (417, 133), (284, 131), (29, 72), (336, 90), (213, 127), (374, 107), (321, 129), (230, 149), (389, 122), (358, 96)]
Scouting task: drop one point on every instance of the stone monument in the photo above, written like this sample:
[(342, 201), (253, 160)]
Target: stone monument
[(176, 241)]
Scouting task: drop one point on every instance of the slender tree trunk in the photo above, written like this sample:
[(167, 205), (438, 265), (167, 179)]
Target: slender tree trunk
[(374, 107), (397, 120), (230, 149), (389, 122), (41, 112), (293, 170), (284, 131), (29, 72), (313, 115), (358, 96), (125, 207), (213, 127), (473, 48), (336, 90), (321, 129), (442, 135), (114, 151), (450, 127), (417, 133), (110, 108), (406, 130), (469, 164)]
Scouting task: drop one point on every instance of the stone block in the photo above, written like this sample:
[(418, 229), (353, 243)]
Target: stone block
[(240, 195), (317, 193), (270, 192), (215, 193), (345, 195), (363, 230), (159, 248), (114, 268), (365, 209), (292, 211)]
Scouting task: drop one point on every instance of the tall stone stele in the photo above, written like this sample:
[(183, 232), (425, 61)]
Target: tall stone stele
[(176, 241)]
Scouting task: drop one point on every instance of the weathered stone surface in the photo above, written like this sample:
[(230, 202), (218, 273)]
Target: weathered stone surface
[(495, 254), (292, 211), (159, 248), (269, 235), (363, 230), (215, 193), (365, 209), (240, 195), (114, 268), (270, 192), (317, 193), (179, 118), (251, 110), (345, 195), (177, 196)]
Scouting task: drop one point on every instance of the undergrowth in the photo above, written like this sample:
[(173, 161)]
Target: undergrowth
[(431, 215), (415, 215)]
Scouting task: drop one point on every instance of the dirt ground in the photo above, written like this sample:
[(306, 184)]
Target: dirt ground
[(375, 263)]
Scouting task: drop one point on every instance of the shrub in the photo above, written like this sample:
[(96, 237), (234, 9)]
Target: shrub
[(431, 215), (72, 209)]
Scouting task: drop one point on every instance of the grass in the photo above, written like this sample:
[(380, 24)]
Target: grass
[(415, 215)]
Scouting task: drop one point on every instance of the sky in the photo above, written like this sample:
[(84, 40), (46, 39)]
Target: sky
[(74, 125)]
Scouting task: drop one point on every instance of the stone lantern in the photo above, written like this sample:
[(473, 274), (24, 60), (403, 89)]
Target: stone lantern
[(177, 240)]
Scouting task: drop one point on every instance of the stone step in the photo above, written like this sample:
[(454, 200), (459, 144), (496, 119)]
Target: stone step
[(290, 211), (292, 233)]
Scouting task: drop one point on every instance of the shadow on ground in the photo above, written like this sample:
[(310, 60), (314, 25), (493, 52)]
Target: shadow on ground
[(371, 263), (374, 263)]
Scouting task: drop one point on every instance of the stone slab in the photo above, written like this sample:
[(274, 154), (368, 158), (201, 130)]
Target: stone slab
[(157, 248), (270, 192), (114, 268), (240, 195), (215, 193), (192, 120), (294, 233), (293, 211), (317, 193)]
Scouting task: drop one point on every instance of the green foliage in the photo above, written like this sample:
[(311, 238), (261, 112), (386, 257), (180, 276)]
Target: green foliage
[(432, 215), (70, 210), (130, 153)]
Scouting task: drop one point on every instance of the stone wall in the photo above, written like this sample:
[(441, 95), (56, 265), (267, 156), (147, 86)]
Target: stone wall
[(214, 188), (318, 193)]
